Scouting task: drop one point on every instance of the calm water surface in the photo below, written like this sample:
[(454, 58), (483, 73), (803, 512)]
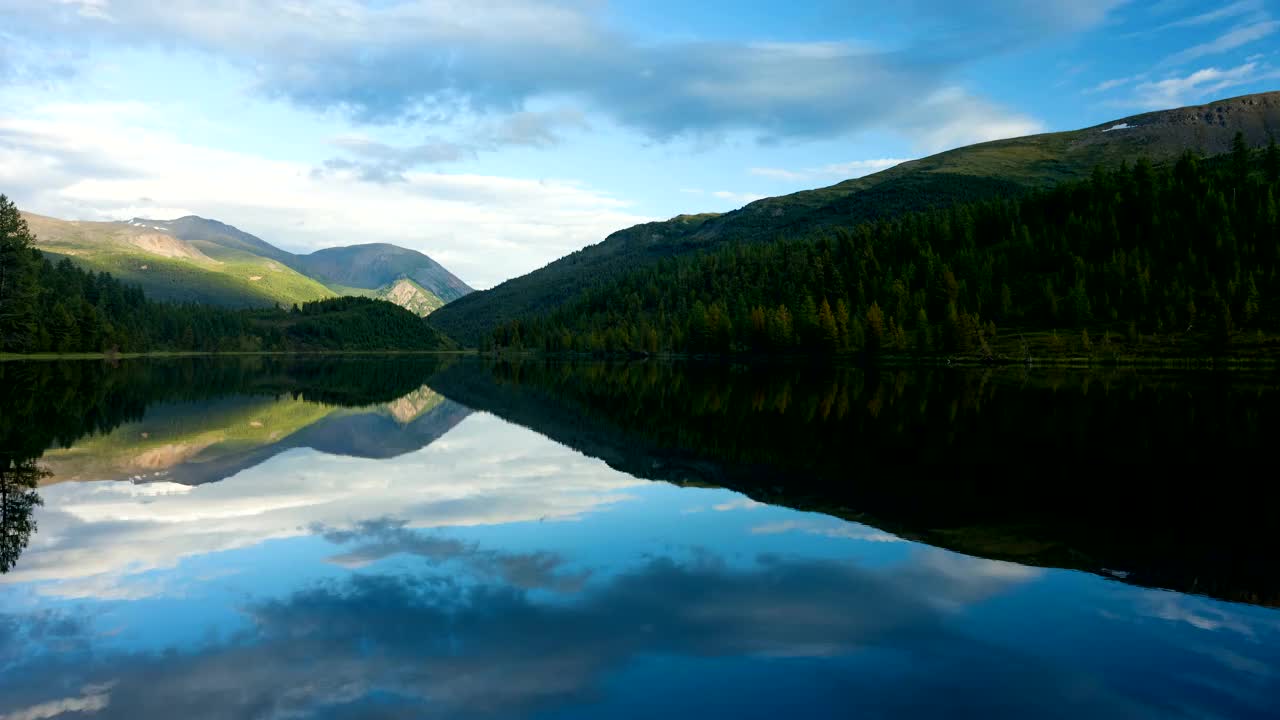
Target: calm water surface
[(423, 538)]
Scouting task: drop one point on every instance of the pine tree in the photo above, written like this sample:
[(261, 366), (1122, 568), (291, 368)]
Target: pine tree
[(1271, 160), (875, 328), (1240, 155), (828, 332), (18, 291), (1252, 303)]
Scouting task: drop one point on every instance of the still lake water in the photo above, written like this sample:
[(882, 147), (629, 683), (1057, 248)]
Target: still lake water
[(366, 538)]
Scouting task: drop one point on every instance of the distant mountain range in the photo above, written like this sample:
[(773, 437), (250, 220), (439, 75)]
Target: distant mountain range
[(194, 259), (970, 173)]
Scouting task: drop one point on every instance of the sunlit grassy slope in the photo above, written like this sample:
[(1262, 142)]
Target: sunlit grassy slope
[(170, 269)]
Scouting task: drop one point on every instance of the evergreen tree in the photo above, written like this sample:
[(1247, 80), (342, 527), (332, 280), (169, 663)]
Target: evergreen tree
[(1271, 160), (875, 328), (18, 292), (829, 333), (1240, 155)]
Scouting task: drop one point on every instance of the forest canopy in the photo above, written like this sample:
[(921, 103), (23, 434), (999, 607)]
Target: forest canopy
[(1191, 248)]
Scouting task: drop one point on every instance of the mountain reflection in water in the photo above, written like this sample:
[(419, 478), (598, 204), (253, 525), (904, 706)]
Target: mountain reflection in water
[(390, 538)]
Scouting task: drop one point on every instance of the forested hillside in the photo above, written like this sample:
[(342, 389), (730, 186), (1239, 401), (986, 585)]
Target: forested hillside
[(1191, 249), (998, 169), (59, 307)]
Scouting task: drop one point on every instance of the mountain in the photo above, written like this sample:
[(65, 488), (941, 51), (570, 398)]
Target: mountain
[(211, 232), (377, 265), (375, 268), (194, 259), (148, 254), (976, 172)]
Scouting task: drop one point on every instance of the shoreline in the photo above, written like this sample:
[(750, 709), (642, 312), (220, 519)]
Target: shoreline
[(1078, 362), (1187, 362), (18, 357)]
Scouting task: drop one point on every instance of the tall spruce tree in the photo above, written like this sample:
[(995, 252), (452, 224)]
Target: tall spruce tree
[(18, 291)]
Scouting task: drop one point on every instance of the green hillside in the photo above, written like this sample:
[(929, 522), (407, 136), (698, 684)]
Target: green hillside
[(193, 259), (995, 169), (1133, 261), (170, 269)]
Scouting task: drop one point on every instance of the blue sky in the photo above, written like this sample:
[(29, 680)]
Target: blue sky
[(497, 135)]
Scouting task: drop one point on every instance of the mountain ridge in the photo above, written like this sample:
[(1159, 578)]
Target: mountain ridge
[(368, 266), (196, 259), (974, 172)]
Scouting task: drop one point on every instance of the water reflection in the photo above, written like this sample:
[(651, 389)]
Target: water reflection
[(470, 631), (1148, 477), (18, 500), (197, 442), (107, 538), (488, 542)]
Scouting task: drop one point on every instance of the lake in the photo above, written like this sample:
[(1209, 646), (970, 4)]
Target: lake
[(406, 537)]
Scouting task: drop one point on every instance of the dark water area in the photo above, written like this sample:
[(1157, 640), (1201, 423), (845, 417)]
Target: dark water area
[(407, 537)]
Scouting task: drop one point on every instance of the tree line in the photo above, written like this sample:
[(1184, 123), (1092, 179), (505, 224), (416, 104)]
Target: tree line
[(48, 306), (1191, 248)]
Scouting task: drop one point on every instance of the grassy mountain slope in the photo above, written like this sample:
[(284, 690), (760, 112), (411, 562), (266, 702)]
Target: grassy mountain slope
[(370, 270), (172, 269), (193, 259), (970, 173), (377, 265), (205, 233)]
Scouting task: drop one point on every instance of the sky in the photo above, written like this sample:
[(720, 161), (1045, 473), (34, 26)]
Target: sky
[(499, 135)]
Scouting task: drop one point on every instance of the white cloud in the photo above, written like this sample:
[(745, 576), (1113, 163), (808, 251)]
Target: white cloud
[(1230, 40), (737, 197), (730, 196), (1183, 90), (94, 9), (92, 699), (1196, 612), (827, 527), (379, 162), (844, 170), (99, 539), (1114, 83), (96, 161), (415, 59), (1235, 9), (952, 118), (742, 503)]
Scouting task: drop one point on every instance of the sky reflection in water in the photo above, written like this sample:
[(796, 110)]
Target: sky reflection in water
[(495, 573)]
